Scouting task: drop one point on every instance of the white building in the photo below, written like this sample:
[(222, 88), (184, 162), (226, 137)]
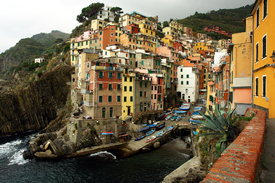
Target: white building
[(188, 83), (39, 60), (105, 13)]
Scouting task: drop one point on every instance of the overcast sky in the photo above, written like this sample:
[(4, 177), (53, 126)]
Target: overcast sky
[(25, 18)]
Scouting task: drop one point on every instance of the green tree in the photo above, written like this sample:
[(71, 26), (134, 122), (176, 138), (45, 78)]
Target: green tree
[(58, 40), (165, 24), (118, 11), (89, 12)]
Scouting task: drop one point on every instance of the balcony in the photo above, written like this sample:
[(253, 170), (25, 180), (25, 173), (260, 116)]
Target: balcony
[(168, 85)]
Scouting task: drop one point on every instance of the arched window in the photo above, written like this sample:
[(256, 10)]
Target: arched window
[(103, 112), (111, 112)]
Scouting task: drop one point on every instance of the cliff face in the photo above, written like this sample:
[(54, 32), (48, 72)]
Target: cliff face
[(35, 106)]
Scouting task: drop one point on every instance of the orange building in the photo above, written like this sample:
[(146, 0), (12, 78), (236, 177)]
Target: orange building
[(109, 36)]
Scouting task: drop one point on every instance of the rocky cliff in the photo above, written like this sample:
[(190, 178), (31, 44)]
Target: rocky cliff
[(35, 106)]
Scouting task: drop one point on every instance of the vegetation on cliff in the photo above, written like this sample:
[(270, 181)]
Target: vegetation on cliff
[(49, 39), (228, 19)]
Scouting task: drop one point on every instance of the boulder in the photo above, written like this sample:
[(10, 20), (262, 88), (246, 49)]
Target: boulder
[(156, 145), (45, 155)]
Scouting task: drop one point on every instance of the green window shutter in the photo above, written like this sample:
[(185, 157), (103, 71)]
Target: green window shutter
[(100, 74), (118, 87), (118, 75), (110, 87), (145, 84), (187, 76), (110, 75), (118, 99), (100, 99), (187, 82), (140, 93), (140, 84), (109, 98), (181, 76), (109, 60), (100, 86)]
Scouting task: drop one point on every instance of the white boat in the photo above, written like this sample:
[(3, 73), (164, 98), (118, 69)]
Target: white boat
[(197, 117), (167, 118)]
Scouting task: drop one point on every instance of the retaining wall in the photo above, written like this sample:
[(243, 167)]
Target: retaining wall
[(239, 162)]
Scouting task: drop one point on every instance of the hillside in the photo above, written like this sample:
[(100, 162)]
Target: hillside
[(48, 39), (25, 50), (228, 19)]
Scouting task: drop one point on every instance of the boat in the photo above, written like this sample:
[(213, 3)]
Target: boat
[(159, 134), (173, 117), (167, 118), (184, 107), (197, 117), (194, 121), (144, 129), (156, 123), (196, 113), (160, 126), (139, 137), (149, 139), (180, 112), (152, 125), (169, 128), (150, 132), (107, 133), (178, 118), (198, 108)]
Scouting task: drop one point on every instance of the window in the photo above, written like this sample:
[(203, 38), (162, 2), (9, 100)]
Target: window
[(111, 112), (145, 94), (130, 88), (155, 96), (140, 93), (182, 83), (118, 86), (151, 96), (131, 99), (181, 76), (125, 99), (141, 106), (257, 87), (131, 79), (110, 87), (109, 98), (125, 88), (100, 99), (145, 84), (100, 74), (112, 34), (187, 76), (152, 88), (140, 84), (187, 82), (264, 46), (110, 75), (118, 75), (155, 87), (100, 86), (103, 112), (125, 79), (257, 52), (257, 18), (264, 86), (264, 9)]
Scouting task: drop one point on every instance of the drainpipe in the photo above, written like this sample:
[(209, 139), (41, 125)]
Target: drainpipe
[(252, 58)]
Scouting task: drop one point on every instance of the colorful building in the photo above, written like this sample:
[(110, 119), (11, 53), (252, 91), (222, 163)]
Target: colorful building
[(241, 69), (263, 56)]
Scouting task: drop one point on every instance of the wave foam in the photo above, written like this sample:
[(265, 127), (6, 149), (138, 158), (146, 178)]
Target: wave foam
[(9, 147), (102, 153), (17, 158)]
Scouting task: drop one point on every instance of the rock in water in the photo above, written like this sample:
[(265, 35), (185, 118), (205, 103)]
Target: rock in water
[(156, 145)]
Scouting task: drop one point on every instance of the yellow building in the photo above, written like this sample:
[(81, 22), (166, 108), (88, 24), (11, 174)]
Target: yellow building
[(97, 24), (204, 46), (171, 32), (168, 40), (146, 27), (264, 56), (174, 24)]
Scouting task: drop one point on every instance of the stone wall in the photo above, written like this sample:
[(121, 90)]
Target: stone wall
[(240, 161)]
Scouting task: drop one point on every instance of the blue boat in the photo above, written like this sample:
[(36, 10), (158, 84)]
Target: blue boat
[(196, 113), (150, 132), (197, 108), (178, 118), (107, 133), (140, 137), (169, 128), (159, 134), (144, 129), (180, 112), (160, 127), (167, 118), (192, 121), (152, 126)]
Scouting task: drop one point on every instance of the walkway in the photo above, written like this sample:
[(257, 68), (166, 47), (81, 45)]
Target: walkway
[(269, 152)]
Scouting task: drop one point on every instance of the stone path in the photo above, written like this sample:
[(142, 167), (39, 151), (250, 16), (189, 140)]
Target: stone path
[(269, 152)]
